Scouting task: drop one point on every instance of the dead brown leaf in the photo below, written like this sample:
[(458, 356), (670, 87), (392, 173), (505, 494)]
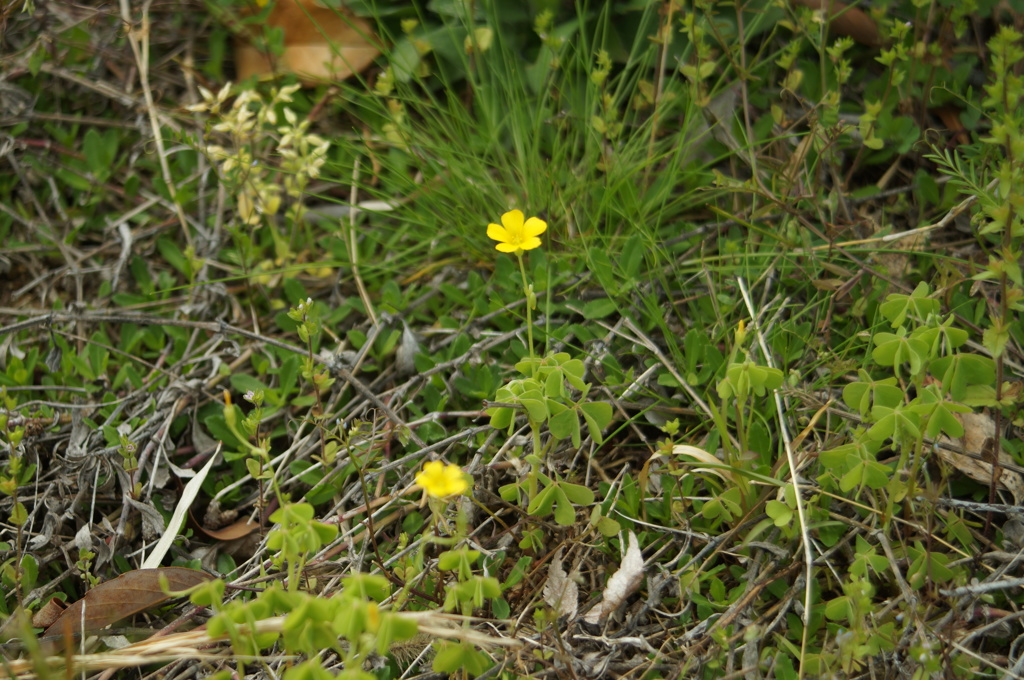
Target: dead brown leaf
[(48, 613), (623, 583), (560, 591), (846, 20), (320, 44), (119, 598), (239, 529), (972, 453), (950, 117)]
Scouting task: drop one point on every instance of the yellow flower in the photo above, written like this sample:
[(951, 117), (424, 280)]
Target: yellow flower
[(440, 480), (514, 235)]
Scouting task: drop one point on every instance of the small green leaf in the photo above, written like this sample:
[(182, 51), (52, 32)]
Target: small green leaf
[(996, 337), (852, 479), (713, 509), (536, 406), (565, 424), (961, 371), (310, 670), (361, 586), (19, 515), (599, 309), (501, 417), (460, 561), (857, 396), (29, 572), (598, 416), (608, 527), (254, 467), (209, 593), (574, 370), (780, 513), (565, 513), (172, 253), (839, 609), (554, 386), (578, 494), (897, 306), (927, 567), (500, 608), (509, 492), (393, 628), (542, 503), (452, 657)]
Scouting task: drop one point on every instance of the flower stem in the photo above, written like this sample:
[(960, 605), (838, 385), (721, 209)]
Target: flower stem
[(531, 301), (533, 476)]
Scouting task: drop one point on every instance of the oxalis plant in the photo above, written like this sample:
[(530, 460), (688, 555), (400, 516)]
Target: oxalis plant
[(922, 379), (929, 378), (551, 393)]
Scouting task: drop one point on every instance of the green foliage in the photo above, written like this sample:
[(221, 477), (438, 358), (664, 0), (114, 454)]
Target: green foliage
[(545, 394), (926, 350), (702, 167)]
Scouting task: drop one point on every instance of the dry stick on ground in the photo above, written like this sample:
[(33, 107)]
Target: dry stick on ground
[(139, 40), (794, 471), (195, 644), (353, 245)]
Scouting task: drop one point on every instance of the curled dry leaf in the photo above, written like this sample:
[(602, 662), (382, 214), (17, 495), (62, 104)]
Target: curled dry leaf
[(188, 495), (320, 43), (48, 613), (560, 592), (720, 469), (950, 117), (152, 521), (972, 453), (229, 525), (241, 528), (846, 20), (621, 585)]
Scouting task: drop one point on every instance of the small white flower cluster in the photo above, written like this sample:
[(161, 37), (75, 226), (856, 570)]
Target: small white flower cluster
[(302, 153), (300, 312), (247, 125)]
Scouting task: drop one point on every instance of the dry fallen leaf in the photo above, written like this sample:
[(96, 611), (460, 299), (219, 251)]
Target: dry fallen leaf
[(621, 585), (119, 598), (950, 117), (845, 20), (560, 592), (703, 456), (188, 495), (320, 44), (48, 613), (239, 529), (971, 454)]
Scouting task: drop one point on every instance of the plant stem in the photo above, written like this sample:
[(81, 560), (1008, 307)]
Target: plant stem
[(530, 302), (534, 475)]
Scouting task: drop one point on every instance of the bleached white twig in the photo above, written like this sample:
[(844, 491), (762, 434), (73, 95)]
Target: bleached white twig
[(787, 442)]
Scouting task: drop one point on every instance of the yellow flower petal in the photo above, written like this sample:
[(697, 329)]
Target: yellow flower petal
[(535, 227), (515, 235), (440, 480), (513, 221), (497, 232)]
